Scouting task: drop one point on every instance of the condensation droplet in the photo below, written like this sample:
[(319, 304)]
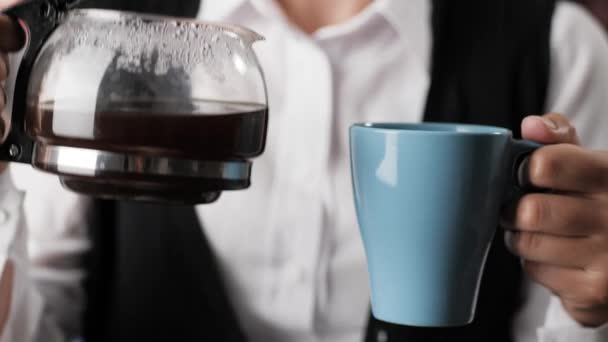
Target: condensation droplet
[(155, 46)]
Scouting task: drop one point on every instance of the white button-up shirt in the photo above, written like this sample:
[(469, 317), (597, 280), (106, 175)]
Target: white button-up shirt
[(288, 247)]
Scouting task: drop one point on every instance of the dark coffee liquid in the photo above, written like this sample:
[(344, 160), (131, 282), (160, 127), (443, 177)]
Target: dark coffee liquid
[(203, 130)]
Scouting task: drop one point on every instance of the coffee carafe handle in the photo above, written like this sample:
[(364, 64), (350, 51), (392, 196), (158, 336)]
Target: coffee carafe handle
[(38, 19)]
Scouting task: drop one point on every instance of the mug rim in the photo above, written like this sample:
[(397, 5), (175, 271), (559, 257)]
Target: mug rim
[(434, 128)]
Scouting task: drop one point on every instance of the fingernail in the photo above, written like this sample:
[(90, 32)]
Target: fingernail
[(550, 123)]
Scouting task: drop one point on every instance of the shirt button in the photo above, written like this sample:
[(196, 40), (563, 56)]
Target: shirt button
[(3, 216)]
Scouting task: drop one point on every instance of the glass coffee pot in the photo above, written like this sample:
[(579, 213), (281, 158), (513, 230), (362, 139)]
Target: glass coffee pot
[(132, 106)]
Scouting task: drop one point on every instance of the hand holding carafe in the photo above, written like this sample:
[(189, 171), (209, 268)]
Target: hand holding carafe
[(133, 106)]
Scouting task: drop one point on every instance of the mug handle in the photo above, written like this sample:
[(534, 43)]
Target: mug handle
[(38, 19), (517, 183)]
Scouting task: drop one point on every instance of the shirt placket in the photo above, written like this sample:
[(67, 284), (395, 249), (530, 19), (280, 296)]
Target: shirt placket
[(298, 215)]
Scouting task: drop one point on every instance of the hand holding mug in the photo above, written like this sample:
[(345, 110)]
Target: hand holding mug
[(428, 200), (562, 236)]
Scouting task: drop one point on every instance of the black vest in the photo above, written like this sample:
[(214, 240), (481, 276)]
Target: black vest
[(152, 275)]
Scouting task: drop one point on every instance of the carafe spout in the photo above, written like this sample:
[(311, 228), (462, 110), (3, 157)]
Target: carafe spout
[(246, 35)]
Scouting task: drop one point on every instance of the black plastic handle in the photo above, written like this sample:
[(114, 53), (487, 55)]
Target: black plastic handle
[(517, 184), (38, 18)]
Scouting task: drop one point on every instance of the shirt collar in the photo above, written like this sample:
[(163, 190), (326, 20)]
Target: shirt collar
[(410, 19), (402, 14), (223, 9), (219, 10)]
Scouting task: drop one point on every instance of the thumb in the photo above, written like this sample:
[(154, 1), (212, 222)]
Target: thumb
[(12, 36), (549, 129)]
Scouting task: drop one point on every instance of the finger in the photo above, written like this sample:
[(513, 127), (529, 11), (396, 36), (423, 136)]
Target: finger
[(12, 36), (562, 281), (552, 214), (4, 64), (551, 249), (568, 168), (549, 129), (584, 294)]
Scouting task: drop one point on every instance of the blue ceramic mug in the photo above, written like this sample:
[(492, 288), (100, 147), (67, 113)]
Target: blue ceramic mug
[(428, 198)]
